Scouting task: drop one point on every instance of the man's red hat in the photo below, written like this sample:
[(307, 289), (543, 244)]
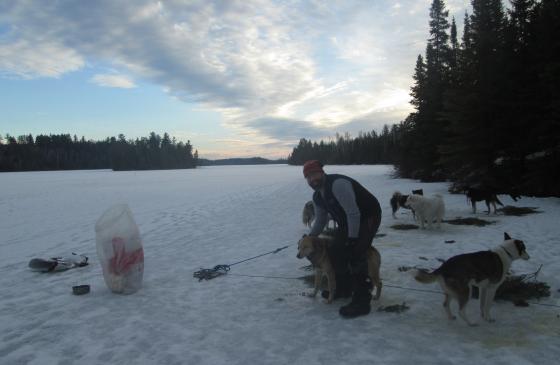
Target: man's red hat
[(312, 166)]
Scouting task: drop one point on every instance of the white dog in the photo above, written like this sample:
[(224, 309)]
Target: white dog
[(427, 209)]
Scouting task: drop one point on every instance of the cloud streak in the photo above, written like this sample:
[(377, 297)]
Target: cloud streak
[(272, 69), (111, 80)]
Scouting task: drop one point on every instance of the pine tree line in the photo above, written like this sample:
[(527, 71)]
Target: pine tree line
[(63, 152), (487, 105), (367, 148)]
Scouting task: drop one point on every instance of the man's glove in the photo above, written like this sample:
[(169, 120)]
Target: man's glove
[(351, 242)]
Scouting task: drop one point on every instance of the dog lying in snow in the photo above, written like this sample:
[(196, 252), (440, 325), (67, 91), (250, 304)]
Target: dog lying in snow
[(398, 200), (427, 209), (315, 250), (485, 269)]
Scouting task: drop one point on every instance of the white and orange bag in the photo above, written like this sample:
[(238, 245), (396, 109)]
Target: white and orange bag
[(119, 249)]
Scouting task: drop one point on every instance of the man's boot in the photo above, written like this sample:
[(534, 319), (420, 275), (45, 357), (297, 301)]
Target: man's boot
[(360, 304)]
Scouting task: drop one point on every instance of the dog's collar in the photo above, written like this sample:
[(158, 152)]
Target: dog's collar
[(507, 252)]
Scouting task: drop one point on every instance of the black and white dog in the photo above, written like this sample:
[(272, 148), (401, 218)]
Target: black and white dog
[(479, 194), (485, 269), (398, 200)]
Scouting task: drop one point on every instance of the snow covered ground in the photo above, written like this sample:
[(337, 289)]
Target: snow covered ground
[(219, 215)]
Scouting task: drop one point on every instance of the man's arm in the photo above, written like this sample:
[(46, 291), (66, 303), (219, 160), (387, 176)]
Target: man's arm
[(344, 192)]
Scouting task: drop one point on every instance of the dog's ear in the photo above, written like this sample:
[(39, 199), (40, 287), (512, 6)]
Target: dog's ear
[(506, 236)]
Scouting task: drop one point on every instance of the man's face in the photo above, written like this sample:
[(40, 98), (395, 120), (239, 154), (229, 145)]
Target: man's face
[(315, 179)]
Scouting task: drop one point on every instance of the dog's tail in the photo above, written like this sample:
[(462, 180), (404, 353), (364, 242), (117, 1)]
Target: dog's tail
[(498, 201), (425, 277)]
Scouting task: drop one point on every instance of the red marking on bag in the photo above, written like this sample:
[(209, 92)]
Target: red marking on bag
[(122, 261)]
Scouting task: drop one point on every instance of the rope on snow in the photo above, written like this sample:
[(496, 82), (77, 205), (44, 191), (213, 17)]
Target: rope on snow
[(219, 270)]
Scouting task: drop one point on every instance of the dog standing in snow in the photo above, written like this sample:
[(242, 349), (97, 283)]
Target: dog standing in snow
[(479, 194), (315, 249), (398, 200), (485, 269), (308, 214), (427, 209)]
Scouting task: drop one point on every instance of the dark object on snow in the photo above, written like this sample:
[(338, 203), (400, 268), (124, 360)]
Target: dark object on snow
[(518, 211), (404, 226), (406, 268), (80, 289), (55, 264), (449, 241), (219, 270), (469, 222), (207, 274), (397, 308), (523, 287), (42, 265)]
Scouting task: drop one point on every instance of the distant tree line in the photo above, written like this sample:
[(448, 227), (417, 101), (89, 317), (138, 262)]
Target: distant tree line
[(63, 152), (487, 105), (241, 161), (367, 148)]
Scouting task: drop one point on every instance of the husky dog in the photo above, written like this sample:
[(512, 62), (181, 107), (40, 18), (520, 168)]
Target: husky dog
[(427, 209), (315, 249), (308, 214), (398, 200), (479, 194), (485, 269)]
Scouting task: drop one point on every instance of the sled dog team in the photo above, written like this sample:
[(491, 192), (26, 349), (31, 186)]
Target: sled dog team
[(485, 269)]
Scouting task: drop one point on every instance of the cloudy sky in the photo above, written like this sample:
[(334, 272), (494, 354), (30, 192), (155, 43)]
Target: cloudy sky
[(236, 78)]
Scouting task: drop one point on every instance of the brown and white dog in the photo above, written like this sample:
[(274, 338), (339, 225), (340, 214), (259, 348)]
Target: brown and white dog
[(315, 250), (485, 269)]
